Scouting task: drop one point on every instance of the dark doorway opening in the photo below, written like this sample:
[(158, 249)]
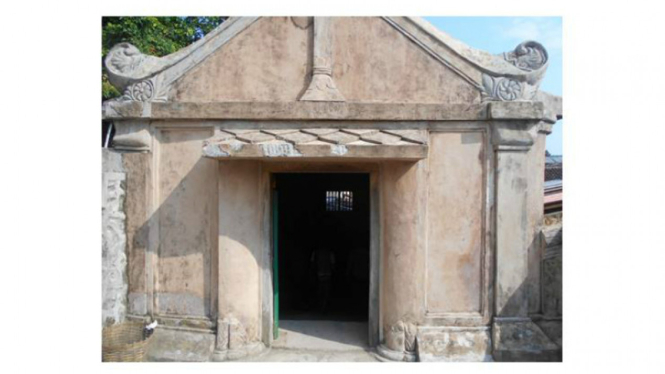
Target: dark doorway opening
[(323, 223)]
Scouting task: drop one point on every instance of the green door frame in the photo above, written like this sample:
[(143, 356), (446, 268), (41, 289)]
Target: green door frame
[(270, 214), (275, 261)]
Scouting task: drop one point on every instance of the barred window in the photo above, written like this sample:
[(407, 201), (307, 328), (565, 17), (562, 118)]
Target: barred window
[(339, 201)]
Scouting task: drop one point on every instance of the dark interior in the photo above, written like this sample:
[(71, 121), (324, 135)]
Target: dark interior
[(323, 253)]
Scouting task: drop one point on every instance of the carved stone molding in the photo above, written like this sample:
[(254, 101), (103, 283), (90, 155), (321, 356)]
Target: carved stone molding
[(322, 87), (317, 143), (132, 136), (512, 136)]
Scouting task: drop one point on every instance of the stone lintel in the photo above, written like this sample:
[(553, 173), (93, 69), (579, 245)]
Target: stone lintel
[(314, 151)]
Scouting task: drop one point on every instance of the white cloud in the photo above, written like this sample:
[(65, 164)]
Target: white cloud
[(546, 31)]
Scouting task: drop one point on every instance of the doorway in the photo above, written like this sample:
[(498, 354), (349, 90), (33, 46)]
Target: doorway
[(321, 248)]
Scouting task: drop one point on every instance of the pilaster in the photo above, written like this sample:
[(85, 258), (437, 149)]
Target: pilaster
[(239, 288), (322, 86), (514, 336), (404, 231)]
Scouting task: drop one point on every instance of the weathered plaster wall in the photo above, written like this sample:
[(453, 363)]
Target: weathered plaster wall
[(535, 196), (270, 61), (552, 270), (114, 239), (373, 62), (430, 250), (187, 217), (511, 234), (552, 267), (240, 251), (403, 199), (137, 167), (455, 222)]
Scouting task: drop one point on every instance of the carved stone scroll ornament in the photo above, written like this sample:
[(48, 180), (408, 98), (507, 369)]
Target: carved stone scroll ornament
[(528, 56), (531, 58), (135, 73), (126, 64)]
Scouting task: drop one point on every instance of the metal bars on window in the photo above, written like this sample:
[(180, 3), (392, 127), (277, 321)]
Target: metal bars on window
[(339, 201)]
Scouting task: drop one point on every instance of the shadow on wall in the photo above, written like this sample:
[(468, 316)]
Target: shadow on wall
[(185, 236), (547, 319)]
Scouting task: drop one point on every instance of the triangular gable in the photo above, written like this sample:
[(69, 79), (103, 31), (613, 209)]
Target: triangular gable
[(365, 59)]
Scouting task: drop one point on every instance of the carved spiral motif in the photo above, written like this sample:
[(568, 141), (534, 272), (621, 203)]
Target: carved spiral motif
[(142, 91), (123, 58), (508, 89), (528, 56)]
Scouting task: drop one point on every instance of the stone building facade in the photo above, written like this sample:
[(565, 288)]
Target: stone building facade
[(450, 137)]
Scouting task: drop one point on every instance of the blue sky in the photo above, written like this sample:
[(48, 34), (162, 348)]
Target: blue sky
[(501, 34)]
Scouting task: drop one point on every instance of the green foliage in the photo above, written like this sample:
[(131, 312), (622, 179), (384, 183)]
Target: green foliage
[(157, 36)]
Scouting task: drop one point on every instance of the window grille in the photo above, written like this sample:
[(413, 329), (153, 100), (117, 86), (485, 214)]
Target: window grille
[(339, 201)]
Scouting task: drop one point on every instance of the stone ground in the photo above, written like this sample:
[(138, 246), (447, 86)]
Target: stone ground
[(319, 341)]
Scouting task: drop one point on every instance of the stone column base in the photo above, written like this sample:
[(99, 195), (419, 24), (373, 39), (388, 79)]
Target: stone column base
[(390, 355), (519, 339), (251, 349), (454, 344), (177, 345)]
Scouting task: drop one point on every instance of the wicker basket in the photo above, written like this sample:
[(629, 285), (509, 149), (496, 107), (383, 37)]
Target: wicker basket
[(124, 342)]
